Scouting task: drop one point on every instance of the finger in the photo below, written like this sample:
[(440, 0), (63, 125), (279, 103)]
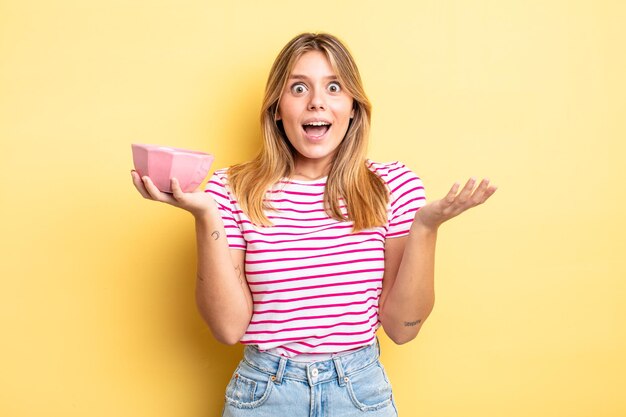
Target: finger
[(150, 187), (154, 192), (139, 184), (478, 197), (449, 198), (466, 192), (490, 191)]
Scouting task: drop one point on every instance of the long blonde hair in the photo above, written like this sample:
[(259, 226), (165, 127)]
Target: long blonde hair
[(364, 193)]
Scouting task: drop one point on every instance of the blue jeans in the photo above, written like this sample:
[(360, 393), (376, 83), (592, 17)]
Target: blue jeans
[(347, 385)]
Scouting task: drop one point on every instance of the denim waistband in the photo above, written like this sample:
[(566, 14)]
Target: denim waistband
[(339, 367)]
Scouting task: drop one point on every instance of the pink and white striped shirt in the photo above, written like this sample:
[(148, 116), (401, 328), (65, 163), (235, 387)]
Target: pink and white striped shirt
[(315, 285)]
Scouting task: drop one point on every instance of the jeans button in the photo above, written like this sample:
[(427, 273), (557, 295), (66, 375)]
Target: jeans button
[(314, 372)]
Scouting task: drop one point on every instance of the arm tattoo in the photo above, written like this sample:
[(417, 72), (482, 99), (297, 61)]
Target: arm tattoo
[(238, 270), (216, 234), (412, 323)]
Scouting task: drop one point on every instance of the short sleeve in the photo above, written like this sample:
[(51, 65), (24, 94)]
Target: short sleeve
[(407, 196), (228, 208)]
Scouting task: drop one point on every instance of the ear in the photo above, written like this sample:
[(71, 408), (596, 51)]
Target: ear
[(277, 116), (352, 114)]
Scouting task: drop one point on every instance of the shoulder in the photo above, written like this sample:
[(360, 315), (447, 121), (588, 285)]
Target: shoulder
[(221, 173), (218, 182), (219, 177), (392, 173)]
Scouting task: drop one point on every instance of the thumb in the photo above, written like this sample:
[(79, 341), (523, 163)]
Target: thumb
[(177, 192)]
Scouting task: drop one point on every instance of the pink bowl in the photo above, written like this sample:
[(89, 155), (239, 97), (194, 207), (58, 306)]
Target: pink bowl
[(162, 163)]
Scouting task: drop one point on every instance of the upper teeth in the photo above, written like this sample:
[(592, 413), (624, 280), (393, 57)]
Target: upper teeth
[(317, 124)]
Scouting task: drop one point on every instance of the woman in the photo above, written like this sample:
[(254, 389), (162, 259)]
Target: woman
[(306, 250)]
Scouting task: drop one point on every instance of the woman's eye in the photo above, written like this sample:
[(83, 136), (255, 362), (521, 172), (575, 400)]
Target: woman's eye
[(298, 88), (334, 87)]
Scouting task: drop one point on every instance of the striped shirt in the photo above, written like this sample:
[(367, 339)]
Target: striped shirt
[(315, 285)]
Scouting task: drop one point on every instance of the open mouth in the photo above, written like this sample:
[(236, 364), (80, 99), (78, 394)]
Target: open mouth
[(316, 129)]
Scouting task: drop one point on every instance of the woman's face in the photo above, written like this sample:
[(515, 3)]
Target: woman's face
[(315, 110)]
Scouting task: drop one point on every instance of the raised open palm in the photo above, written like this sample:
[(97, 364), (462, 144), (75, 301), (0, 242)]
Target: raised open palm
[(197, 202), (433, 214)]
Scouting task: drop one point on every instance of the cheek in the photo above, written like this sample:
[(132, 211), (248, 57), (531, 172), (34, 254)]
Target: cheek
[(286, 113), (344, 113), (346, 108)]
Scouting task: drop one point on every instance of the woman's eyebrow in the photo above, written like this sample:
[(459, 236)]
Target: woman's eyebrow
[(304, 77)]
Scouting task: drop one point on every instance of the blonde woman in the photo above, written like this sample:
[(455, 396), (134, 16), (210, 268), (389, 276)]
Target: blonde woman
[(306, 250)]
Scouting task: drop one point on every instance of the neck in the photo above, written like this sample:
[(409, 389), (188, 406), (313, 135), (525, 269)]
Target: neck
[(311, 170)]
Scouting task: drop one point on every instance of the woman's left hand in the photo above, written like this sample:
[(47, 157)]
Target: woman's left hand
[(434, 214)]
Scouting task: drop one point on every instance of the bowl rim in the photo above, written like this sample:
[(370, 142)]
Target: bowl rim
[(168, 149)]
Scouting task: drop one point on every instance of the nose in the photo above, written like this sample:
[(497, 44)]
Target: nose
[(316, 101)]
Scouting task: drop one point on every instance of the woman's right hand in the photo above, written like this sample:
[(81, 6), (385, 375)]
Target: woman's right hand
[(198, 203)]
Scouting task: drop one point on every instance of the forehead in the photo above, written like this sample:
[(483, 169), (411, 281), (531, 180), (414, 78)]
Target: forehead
[(313, 63)]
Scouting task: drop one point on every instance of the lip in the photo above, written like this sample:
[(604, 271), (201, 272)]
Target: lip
[(316, 119), (316, 138), (312, 137)]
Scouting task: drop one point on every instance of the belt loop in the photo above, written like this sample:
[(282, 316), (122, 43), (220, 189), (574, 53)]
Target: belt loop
[(281, 371), (341, 377)]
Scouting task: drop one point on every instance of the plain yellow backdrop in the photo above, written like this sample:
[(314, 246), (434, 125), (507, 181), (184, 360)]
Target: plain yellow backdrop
[(97, 314)]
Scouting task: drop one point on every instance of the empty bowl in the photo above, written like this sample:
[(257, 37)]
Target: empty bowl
[(162, 163)]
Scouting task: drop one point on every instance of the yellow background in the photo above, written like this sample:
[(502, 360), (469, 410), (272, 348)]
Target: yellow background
[(97, 314)]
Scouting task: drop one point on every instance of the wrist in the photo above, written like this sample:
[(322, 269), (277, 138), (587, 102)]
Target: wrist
[(420, 224), (205, 217), (206, 212)]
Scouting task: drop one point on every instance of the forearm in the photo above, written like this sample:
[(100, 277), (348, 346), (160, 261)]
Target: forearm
[(222, 295), (411, 298)]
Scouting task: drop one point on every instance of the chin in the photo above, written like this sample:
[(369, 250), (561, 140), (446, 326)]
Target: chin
[(318, 153)]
